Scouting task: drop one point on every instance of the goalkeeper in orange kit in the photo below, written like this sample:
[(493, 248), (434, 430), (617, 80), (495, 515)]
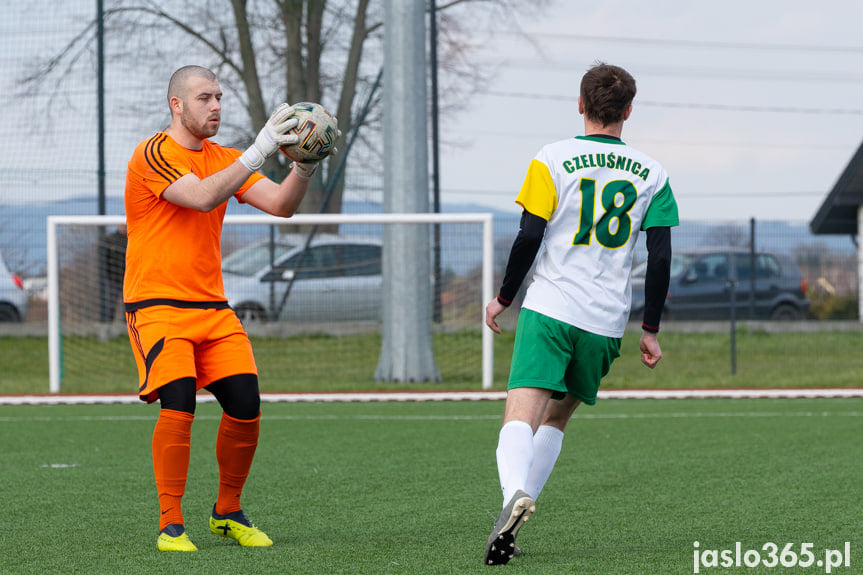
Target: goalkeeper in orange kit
[(184, 335)]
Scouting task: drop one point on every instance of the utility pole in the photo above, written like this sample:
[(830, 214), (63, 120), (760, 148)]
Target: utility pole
[(406, 345)]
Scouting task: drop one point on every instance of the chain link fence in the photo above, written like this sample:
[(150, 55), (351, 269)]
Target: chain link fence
[(50, 166)]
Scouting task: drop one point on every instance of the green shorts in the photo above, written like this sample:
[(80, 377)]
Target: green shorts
[(554, 355)]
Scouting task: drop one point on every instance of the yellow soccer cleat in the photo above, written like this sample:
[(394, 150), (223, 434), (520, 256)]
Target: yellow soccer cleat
[(237, 526), (174, 538)]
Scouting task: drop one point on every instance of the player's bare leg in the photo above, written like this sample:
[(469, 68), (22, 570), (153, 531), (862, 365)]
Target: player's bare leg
[(559, 412), (526, 404)]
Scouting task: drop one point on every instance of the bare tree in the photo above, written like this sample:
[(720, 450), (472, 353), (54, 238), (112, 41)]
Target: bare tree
[(729, 235), (270, 51)]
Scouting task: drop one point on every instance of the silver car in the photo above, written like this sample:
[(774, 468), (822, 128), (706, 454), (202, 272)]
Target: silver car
[(13, 298), (338, 278)]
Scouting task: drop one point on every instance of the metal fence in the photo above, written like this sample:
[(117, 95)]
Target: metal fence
[(51, 165), (828, 264)]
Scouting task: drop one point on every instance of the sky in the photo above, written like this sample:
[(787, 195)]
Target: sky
[(754, 108)]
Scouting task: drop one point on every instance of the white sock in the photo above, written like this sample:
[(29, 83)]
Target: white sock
[(514, 457), (546, 447)]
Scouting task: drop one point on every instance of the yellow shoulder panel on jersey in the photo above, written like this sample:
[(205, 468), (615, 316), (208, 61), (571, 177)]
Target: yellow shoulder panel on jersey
[(538, 194)]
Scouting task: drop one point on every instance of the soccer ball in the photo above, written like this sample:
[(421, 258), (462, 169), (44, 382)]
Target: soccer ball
[(318, 131)]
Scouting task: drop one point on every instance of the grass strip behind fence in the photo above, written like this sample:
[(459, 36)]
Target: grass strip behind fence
[(347, 363)]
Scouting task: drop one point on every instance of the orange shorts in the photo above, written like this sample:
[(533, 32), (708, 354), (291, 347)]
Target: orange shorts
[(170, 343)]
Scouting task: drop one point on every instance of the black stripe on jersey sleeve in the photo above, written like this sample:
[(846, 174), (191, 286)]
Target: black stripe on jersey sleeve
[(657, 279), (155, 159), (521, 256)]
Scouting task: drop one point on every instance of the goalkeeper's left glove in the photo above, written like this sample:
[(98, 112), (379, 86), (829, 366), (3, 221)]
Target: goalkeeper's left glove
[(305, 170)]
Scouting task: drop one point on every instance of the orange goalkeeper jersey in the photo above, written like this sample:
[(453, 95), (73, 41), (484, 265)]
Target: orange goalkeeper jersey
[(174, 253)]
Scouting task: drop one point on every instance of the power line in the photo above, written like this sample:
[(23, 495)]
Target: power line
[(744, 108), (514, 191), (755, 75), (692, 106), (725, 194), (675, 43), (807, 145)]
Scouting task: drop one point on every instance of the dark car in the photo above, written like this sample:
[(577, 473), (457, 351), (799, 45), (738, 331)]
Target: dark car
[(702, 281)]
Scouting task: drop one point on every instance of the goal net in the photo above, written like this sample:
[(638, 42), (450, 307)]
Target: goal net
[(308, 289)]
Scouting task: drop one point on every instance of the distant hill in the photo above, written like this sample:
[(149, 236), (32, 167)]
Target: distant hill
[(23, 231)]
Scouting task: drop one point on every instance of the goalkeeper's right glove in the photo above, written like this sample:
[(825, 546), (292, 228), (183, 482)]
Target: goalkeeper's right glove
[(277, 132)]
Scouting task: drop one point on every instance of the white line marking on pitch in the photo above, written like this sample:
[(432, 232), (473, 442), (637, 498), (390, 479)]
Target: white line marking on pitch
[(344, 417), (407, 396)]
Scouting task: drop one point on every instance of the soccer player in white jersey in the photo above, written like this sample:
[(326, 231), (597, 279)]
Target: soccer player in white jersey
[(584, 201)]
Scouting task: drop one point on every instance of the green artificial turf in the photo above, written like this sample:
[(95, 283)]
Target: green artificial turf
[(413, 488)]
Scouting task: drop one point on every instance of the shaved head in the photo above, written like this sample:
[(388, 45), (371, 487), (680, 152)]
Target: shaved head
[(194, 98), (179, 83)]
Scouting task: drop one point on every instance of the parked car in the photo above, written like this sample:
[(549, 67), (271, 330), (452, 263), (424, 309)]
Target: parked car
[(337, 279), (13, 298), (701, 286)]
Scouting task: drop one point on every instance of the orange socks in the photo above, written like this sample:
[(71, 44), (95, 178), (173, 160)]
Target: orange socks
[(171, 448), (235, 450)]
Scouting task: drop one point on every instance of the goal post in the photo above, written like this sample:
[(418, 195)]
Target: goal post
[(92, 227), (55, 367)]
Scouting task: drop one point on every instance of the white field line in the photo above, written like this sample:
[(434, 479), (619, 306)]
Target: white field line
[(152, 416), (768, 393)]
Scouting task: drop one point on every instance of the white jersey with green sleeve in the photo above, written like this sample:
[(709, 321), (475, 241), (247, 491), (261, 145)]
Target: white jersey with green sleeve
[(596, 194)]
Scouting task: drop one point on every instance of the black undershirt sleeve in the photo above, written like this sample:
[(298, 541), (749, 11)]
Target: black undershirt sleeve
[(657, 276), (524, 250)]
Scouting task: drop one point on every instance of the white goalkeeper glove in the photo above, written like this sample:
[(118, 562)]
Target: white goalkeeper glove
[(306, 170), (277, 132)]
